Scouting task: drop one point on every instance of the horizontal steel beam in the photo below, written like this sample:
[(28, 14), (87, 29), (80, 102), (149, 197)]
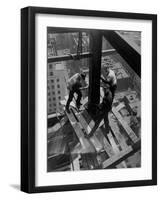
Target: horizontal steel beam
[(56, 30), (75, 56)]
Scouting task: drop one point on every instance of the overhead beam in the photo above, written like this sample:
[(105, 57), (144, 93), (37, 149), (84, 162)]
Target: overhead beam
[(81, 56), (56, 30), (126, 51)]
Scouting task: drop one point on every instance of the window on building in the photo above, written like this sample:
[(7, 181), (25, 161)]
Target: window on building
[(53, 93), (50, 66), (57, 79), (58, 86), (52, 81), (54, 98), (58, 91), (59, 98), (52, 86), (51, 73), (49, 99)]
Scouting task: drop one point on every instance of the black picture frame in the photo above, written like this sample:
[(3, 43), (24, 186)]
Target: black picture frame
[(28, 98)]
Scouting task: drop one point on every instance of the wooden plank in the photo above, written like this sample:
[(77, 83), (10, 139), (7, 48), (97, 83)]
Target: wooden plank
[(85, 125), (113, 144), (126, 127), (75, 126), (106, 145), (118, 135), (88, 129), (92, 125), (120, 106), (75, 164), (86, 146), (116, 149), (117, 158), (86, 116), (94, 139), (98, 146), (57, 146)]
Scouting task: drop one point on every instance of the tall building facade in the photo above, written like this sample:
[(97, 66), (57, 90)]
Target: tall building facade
[(57, 87)]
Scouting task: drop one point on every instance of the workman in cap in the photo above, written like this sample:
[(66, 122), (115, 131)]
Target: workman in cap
[(75, 84)]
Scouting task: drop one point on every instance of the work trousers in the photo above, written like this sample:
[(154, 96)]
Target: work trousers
[(113, 89), (71, 95)]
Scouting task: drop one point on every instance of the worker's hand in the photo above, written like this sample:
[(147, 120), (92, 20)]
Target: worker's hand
[(102, 78), (83, 88), (69, 87)]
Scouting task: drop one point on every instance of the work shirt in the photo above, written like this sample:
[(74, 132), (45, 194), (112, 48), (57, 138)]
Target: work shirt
[(74, 82), (111, 78)]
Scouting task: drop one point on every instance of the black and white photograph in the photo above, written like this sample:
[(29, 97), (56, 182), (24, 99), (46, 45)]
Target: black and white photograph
[(88, 97), (93, 99)]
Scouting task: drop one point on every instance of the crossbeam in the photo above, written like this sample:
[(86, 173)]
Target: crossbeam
[(81, 56)]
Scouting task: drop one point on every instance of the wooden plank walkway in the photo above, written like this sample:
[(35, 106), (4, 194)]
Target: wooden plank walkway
[(112, 149), (75, 166), (116, 149), (126, 127), (107, 146), (120, 138), (116, 159), (100, 142), (86, 145), (115, 146), (88, 128)]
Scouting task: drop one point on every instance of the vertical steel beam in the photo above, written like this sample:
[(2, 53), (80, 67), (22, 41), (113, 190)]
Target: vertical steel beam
[(95, 69)]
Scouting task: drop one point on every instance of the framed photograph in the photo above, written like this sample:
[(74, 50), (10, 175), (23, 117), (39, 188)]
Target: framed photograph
[(88, 99)]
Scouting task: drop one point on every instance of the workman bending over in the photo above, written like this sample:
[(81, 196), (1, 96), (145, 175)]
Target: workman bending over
[(110, 79), (109, 85), (75, 84)]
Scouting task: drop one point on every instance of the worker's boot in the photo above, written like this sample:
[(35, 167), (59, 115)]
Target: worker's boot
[(78, 105), (67, 109)]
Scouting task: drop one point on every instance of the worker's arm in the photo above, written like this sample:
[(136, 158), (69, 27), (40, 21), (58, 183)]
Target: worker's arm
[(84, 85), (104, 81), (83, 88)]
